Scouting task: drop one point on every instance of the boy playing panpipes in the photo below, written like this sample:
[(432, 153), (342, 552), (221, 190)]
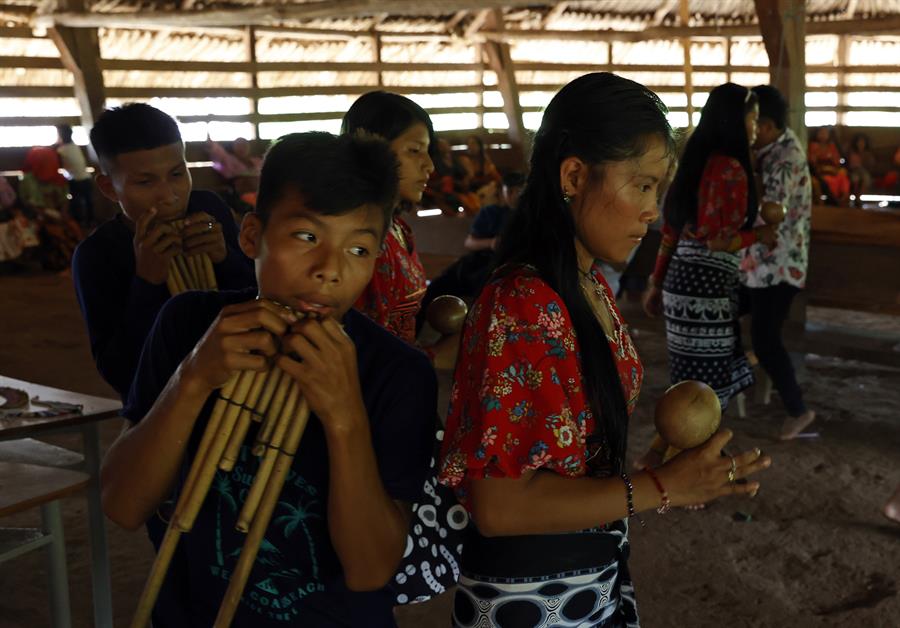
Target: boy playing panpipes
[(340, 525), (120, 270)]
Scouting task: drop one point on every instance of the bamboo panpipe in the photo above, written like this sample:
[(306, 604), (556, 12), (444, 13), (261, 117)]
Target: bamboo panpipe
[(191, 272), (263, 516), (247, 396), (264, 471)]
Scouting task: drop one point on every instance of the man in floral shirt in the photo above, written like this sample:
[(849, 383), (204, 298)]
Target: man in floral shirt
[(772, 277)]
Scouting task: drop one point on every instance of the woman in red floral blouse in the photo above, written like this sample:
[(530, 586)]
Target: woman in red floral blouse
[(709, 212), (395, 292), (547, 377)]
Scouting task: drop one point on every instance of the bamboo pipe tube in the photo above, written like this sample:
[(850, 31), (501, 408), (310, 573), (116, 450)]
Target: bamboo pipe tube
[(196, 274), (155, 578), (184, 517), (209, 271), (261, 521), (268, 392), (185, 272), (272, 415), (177, 279), (173, 534), (264, 471), (239, 433), (171, 284)]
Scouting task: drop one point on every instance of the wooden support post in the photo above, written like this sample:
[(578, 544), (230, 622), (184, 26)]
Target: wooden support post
[(501, 62), (783, 27), (793, 19), (842, 79), (728, 59), (377, 42), (684, 15), (254, 76)]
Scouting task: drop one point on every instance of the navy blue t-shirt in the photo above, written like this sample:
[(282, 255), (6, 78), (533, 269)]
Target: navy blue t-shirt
[(489, 221), (297, 579), (119, 307)]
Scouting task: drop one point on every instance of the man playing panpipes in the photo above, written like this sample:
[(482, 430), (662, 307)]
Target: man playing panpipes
[(120, 270), (339, 527)]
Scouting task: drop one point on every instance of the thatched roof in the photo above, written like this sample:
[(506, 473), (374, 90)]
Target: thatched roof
[(310, 58)]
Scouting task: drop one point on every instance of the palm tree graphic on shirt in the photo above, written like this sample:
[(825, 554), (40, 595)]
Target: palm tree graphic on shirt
[(297, 516)]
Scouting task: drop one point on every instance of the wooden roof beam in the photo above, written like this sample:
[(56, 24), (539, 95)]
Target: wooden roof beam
[(79, 51), (554, 13), (501, 62)]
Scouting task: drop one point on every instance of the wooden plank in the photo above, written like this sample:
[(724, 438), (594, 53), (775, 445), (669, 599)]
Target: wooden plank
[(856, 226), (280, 66), (268, 15), (24, 486), (31, 63), (94, 409)]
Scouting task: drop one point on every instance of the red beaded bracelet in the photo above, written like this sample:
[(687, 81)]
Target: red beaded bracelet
[(666, 503)]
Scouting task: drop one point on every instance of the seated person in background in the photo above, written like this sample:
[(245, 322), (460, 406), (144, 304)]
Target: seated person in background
[(17, 233), (81, 184), (466, 276), (890, 182), (44, 195), (825, 165), (860, 164), (479, 167), (448, 186), (490, 219), (239, 168), (120, 270)]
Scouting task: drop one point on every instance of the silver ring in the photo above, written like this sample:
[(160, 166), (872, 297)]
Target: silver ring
[(732, 472)]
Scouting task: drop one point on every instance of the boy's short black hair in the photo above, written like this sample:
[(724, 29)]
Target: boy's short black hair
[(333, 174), (132, 127), (772, 104), (514, 179)]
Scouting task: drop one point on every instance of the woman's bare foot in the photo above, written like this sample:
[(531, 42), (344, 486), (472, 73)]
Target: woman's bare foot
[(891, 509), (794, 425)]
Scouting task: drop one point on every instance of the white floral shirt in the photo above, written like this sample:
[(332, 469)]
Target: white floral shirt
[(785, 180)]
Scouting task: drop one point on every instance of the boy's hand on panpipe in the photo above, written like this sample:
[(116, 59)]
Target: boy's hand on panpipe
[(244, 337), (327, 372), (155, 244), (202, 234)]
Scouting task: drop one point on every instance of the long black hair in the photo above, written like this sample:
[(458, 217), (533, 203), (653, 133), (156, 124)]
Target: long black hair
[(598, 118), (722, 131), (385, 114)]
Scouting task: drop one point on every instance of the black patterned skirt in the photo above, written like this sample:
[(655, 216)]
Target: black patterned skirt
[(700, 303), (546, 581)]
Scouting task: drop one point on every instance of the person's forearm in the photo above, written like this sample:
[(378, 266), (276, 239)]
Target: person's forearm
[(499, 506), (141, 466), (368, 529)]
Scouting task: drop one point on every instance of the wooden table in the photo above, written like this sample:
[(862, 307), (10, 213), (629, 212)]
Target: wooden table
[(94, 410)]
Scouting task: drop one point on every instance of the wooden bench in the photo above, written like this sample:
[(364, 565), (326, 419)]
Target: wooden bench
[(22, 487)]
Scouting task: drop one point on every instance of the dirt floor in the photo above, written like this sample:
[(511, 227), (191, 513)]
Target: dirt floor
[(815, 551)]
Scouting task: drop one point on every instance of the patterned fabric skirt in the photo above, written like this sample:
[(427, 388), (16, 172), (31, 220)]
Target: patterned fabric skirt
[(575, 580), (700, 303)]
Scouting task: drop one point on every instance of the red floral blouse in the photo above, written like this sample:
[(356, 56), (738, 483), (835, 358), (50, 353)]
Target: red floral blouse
[(517, 401), (394, 295), (721, 210)]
